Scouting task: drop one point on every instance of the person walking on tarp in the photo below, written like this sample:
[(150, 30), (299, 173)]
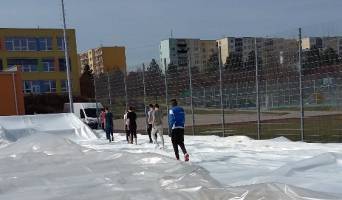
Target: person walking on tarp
[(103, 119), (132, 124), (157, 125), (109, 125), (149, 122), (177, 125), (126, 122)]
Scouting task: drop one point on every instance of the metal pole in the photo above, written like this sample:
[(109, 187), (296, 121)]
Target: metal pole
[(257, 87), (96, 103), (125, 83), (71, 107), (15, 94), (221, 94), (166, 94), (109, 92), (300, 86), (314, 88), (145, 106), (236, 95), (191, 99)]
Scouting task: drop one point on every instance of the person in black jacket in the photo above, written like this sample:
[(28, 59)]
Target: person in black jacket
[(109, 125), (132, 124)]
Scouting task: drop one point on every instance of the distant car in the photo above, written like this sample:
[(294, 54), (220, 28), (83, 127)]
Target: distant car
[(87, 112)]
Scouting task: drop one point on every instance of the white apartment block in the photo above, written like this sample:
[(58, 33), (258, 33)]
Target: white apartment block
[(177, 51), (323, 43)]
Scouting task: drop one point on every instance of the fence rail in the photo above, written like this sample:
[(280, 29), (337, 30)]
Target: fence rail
[(292, 92)]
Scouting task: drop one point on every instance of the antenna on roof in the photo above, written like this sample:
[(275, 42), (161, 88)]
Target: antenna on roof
[(171, 33)]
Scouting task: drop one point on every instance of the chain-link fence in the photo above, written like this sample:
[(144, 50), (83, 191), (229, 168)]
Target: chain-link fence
[(265, 88)]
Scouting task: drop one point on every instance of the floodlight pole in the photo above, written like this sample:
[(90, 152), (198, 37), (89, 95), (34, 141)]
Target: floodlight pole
[(66, 53)]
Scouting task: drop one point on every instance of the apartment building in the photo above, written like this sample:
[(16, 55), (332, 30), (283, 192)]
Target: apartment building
[(104, 59), (178, 51), (39, 53), (323, 43), (273, 51)]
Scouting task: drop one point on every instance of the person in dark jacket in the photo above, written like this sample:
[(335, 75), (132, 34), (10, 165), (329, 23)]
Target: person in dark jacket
[(109, 125), (149, 122), (132, 124), (177, 125)]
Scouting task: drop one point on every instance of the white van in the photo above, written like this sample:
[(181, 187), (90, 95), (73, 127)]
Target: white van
[(87, 112)]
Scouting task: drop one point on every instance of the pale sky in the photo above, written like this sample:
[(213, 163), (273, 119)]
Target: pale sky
[(141, 24)]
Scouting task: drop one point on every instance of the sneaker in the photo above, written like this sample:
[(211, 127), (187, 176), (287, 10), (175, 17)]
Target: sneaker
[(186, 157)]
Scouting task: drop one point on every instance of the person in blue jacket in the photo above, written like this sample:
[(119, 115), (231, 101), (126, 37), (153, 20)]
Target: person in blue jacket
[(177, 125)]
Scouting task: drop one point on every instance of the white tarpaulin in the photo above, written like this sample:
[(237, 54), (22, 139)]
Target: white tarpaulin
[(58, 157)]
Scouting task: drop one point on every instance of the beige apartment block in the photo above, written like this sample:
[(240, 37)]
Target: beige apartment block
[(104, 59), (179, 51)]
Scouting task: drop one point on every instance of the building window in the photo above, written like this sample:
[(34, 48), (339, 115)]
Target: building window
[(64, 85), (48, 65), (60, 43), (26, 65), (28, 44), (40, 86), (45, 44), (20, 44), (32, 44), (62, 66)]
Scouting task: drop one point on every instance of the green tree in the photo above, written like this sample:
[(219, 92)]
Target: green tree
[(154, 68), (311, 59), (329, 57), (234, 62), (154, 77), (250, 63), (87, 83), (213, 63)]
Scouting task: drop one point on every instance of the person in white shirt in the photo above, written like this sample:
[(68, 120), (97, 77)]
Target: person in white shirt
[(157, 125), (126, 122)]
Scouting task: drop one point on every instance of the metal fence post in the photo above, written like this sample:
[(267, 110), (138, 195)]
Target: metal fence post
[(109, 92), (191, 97), (125, 84), (166, 94), (96, 102), (257, 87), (301, 86), (145, 106), (221, 94)]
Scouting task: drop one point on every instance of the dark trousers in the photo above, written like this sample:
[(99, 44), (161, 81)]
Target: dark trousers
[(149, 130), (127, 133), (177, 138), (109, 134), (133, 133)]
